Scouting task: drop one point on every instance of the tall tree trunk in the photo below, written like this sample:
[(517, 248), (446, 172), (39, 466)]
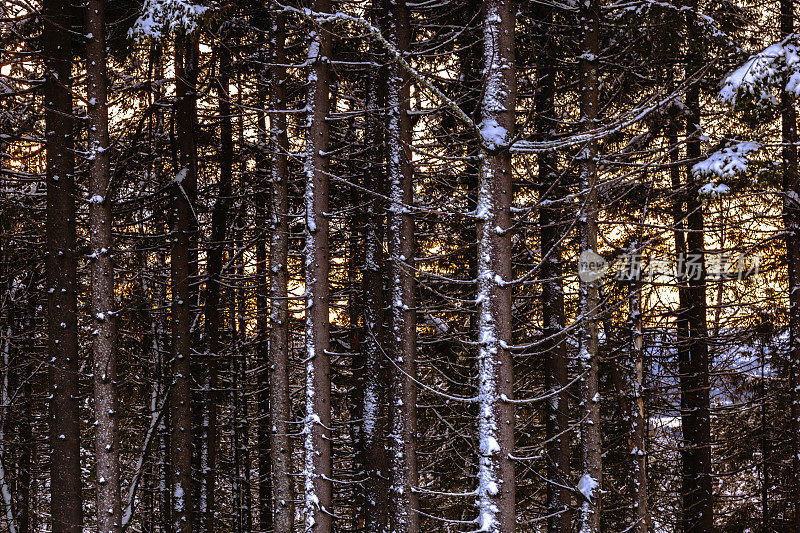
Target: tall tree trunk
[(65, 470), (184, 187), (402, 336), (109, 503), (280, 407), (638, 421), (766, 448), (8, 515), (317, 470), (213, 321), (150, 367), (698, 503), (263, 424), (240, 487), (552, 301), (591, 453), (25, 427), (496, 485), (244, 421), (372, 445), (263, 218), (791, 221), (355, 304), (161, 387)]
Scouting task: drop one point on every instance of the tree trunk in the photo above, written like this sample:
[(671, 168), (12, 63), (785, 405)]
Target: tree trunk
[(355, 304), (213, 321), (317, 469), (404, 500), (8, 515), (244, 421), (791, 220), (496, 485), (109, 503), (65, 470), (263, 218), (280, 407), (161, 388), (242, 522), (372, 445), (552, 301), (698, 502), (183, 228), (638, 421), (25, 426), (591, 479)]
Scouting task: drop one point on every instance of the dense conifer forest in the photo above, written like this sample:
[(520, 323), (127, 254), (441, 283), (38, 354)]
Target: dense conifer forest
[(394, 266)]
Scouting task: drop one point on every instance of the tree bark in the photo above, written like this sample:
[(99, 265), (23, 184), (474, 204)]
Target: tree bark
[(372, 445), (184, 187), (355, 304), (280, 407), (240, 487), (9, 517), (65, 471), (25, 426), (209, 368), (791, 221), (552, 301), (591, 479), (316, 428), (697, 492), (109, 503), (638, 421), (496, 485), (162, 387), (404, 477)]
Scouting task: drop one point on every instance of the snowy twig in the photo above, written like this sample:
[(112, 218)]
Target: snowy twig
[(321, 18), (154, 421)]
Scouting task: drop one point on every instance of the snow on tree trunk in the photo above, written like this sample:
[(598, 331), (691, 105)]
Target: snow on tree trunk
[(161, 351), (402, 335), (638, 422), (589, 413), (103, 308), (496, 490), (372, 445), (316, 427), (5, 400)]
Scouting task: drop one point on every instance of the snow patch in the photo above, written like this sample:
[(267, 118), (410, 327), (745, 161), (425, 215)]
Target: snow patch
[(494, 135), (728, 162), (714, 189), (763, 71), (162, 17), (586, 486)]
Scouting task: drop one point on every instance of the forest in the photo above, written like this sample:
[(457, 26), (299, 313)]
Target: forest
[(395, 266)]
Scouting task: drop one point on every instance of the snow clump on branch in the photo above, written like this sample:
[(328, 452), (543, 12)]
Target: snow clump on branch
[(162, 17)]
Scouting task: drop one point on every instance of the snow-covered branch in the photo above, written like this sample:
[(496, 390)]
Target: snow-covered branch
[(728, 162), (148, 439), (322, 18), (161, 17), (763, 72)]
